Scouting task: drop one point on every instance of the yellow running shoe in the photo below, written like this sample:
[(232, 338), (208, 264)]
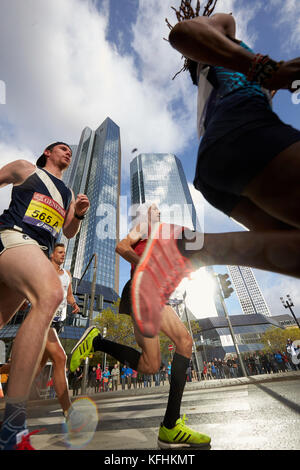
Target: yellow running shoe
[(181, 436), (83, 348)]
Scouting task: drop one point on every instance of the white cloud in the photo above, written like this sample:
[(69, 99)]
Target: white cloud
[(9, 153), (286, 19), (62, 74), (274, 286)]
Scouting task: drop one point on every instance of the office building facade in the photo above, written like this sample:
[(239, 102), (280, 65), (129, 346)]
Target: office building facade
[(215, 340), (96, 172), (248, 292), (159, 178)]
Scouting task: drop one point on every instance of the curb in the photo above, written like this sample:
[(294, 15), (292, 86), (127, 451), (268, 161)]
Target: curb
[(190, 386)]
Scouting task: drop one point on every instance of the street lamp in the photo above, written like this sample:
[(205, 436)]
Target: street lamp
[(289, 304), (192, 335), (90, 320), (224, 292), (103, 336), (203, 345)]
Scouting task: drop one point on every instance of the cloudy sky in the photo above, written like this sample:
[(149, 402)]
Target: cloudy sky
[(67, 64)]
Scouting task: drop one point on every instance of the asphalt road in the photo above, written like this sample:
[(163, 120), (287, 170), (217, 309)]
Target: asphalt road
[(243, 415)]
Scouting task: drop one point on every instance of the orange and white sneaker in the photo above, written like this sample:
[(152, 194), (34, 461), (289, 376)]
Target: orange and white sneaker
[(160, 270), (23, 441)]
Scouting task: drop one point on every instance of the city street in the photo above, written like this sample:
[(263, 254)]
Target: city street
[(245, 414)]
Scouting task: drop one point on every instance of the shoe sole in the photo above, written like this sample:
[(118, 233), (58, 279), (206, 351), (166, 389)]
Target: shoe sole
[(171, 445), (145, 331), (86, 333)]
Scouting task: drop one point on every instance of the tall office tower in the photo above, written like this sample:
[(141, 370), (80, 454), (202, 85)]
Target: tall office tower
[(216, 298), (68, 174), (159, 178), (96, 172), (248, 291)]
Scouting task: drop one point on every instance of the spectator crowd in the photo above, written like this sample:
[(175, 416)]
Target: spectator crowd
[(124, 377), (255, 364)]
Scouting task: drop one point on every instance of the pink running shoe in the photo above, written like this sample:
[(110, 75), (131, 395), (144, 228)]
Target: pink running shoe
[(160, 270)]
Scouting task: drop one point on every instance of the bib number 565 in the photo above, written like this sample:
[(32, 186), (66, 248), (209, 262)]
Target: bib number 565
[(42, 216)]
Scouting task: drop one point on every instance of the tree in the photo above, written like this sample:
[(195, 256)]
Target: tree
[(116, 327), (165, 341), (119, 327), (275, 339)]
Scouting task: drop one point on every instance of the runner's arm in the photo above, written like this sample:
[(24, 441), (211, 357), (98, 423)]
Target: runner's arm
[(206, 40), (124, 247), (79, 207), (70, 297), (15, 172), (212, 41)]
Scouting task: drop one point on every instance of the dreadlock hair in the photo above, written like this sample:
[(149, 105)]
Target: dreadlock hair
[(186, 12)]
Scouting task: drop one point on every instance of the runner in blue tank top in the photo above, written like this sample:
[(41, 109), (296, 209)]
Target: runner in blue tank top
[(41, 205), (248, 163)]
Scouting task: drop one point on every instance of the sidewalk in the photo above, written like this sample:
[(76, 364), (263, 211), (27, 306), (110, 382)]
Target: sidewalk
[(164, 389), (206, 384)]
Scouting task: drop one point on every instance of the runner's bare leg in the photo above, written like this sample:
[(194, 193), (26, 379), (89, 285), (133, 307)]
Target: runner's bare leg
[(34, 278)]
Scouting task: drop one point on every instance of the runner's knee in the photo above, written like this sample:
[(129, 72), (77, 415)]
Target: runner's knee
[(59, 358), (48, 299), (184, 344), (151, 365), (152, 368)]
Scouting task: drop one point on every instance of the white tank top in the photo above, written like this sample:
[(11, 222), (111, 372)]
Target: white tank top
[(61, 312)]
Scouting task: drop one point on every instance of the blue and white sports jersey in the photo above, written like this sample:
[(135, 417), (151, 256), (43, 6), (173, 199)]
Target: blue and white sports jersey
[(38, 208), (216, 83)]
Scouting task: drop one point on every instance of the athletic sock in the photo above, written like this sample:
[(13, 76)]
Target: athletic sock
[(118, 351), (14, 422), (177, 384)]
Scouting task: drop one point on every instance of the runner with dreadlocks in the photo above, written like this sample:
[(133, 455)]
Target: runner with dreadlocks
[(248, 164)]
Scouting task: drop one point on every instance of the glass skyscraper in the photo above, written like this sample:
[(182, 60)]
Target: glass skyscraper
[(248, 291), (95, 171), (159, 178)]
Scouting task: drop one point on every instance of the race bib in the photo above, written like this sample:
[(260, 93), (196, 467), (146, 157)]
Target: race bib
[(45, 213)]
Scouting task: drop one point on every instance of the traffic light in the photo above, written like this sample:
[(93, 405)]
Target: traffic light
[(99, 303), (83, 304), (225, 285)]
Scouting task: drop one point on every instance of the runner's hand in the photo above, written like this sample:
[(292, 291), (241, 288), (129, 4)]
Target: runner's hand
[(76, 309), (285, 77), (82, 204)]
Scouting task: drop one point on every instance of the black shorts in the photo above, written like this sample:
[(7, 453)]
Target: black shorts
[(125, 302), (57, 325), (230, 156)]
